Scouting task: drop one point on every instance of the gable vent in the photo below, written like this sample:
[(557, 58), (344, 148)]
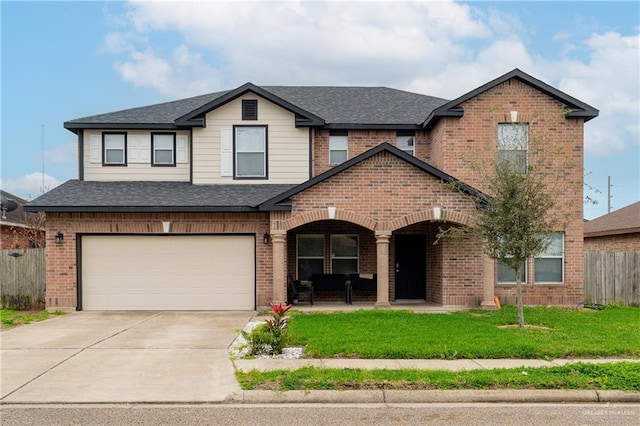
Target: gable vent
[(250, 109)]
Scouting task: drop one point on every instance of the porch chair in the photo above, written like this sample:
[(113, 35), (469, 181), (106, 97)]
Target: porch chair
[(296, 288)]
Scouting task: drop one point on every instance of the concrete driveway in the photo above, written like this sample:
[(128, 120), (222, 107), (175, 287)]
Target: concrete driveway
[(122, 357)]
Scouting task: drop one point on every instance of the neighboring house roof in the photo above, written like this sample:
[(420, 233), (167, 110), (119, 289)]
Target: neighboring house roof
[(282, 201), (576, 107), (329, 107), (622, 221), (92, 196), (15, 217)]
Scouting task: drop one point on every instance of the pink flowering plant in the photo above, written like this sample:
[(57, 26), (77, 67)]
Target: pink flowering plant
[(269, 338)]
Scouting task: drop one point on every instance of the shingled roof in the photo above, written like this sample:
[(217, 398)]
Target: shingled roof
[(326, 106), (622, 221), (343, 107), (91, 196)]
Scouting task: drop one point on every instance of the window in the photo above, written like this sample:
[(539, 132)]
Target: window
[(250, 109), (114, 147), (310, 256), (163, 149), (338, 147), (405, 141), (513, 143), (549, 264), (250, 145), (506, 274), (344, 254)]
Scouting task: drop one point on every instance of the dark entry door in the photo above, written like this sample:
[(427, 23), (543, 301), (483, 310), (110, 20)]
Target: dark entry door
[(410, 266)]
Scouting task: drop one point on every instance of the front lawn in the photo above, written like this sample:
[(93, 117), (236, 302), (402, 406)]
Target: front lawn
[(550, 333), (11, 318), (621, 376)]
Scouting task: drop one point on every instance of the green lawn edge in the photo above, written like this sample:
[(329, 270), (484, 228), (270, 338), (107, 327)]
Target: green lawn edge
[(473, 334), (11, 318), (623, 376)]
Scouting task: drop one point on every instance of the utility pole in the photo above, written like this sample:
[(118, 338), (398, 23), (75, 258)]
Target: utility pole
[(609, 196), (42, 189)]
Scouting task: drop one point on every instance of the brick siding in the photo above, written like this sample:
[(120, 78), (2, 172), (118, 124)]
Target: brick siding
[(62, 258)]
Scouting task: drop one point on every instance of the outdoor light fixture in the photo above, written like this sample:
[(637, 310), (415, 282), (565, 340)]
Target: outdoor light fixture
[(59, 237), (265, 238)]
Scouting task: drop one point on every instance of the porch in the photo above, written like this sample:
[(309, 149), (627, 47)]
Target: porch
[(409, 270)]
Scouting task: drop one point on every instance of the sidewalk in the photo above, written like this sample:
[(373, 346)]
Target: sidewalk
[(267, 364), (428, 396)]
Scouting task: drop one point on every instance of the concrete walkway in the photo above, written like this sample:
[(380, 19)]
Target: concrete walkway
[(263, 364)]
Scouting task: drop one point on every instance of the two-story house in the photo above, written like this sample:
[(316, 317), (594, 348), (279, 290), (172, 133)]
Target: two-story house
[(211, 202)]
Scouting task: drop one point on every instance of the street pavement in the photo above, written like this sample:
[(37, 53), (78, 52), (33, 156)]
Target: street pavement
[(182, 357)]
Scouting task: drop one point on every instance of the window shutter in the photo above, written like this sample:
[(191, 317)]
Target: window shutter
[(181, 149), (226, 154), (144, 149), (132, 149), (95, 149)]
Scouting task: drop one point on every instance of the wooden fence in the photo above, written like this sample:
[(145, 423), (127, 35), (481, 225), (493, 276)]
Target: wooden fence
[(23, 278), (612, 277)]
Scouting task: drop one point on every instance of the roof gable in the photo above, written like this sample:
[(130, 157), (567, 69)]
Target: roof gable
[(282, 201), (453, 109), (196, 117)]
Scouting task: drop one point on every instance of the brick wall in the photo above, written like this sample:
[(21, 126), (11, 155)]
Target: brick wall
[(613, 243), (361, 141), (457, 142), (382, 188), (62, 258)]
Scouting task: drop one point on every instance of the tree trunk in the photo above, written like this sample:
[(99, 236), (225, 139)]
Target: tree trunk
[(519, 298)]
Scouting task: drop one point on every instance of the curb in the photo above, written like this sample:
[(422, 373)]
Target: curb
[(437, 396)]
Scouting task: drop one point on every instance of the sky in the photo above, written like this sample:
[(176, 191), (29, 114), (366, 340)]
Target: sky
[(66, 60)]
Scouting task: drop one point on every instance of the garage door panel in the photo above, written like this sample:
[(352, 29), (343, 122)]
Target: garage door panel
[(168, 272)]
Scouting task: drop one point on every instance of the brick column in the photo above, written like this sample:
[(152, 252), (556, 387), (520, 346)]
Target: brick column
[(488, 283), (382, 260), (279, 285)]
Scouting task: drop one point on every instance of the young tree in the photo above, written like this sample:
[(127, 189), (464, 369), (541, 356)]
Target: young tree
[(520, 210)]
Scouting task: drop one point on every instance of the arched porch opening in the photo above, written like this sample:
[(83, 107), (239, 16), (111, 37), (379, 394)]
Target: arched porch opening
[(332, 248)]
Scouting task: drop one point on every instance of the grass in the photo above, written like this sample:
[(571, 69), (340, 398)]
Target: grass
[(621, 376), (551, 333), (11, 318)]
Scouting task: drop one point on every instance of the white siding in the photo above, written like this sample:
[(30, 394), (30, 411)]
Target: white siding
[(138, 166), (287, 146)]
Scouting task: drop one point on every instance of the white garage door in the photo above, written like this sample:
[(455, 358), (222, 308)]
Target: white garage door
[(168, 272)]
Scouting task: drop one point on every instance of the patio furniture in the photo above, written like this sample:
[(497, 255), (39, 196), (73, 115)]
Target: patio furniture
[(331, 285), (359, 284), (296, 288)]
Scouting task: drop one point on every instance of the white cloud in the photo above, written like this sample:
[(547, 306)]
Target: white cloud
[(438, 48), (30, 186), (609, 81), (305, 42), (62, 154)]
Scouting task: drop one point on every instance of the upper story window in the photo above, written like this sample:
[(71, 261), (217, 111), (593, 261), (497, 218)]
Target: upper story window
[(114, 149), (163, 149), (405, 141), (250, 152), (250, 109), (513, 144), (338, 147)]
